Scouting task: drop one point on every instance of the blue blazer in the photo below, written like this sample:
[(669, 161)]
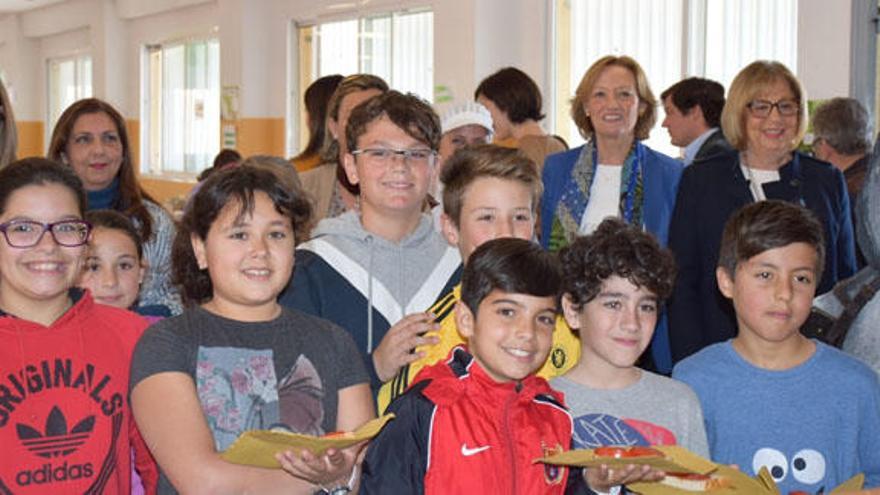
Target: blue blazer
[(661, 175), (712, 190)]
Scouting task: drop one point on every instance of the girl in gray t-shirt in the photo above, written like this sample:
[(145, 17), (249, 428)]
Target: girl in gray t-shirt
[(235, 360)]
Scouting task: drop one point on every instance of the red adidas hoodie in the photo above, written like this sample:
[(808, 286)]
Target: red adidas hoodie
[(65, 421)]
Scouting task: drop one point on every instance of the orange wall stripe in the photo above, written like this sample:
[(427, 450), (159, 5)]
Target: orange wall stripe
[(30, 138)]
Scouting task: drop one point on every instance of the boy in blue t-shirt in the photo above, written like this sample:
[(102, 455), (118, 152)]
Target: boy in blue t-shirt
[(770, 396)]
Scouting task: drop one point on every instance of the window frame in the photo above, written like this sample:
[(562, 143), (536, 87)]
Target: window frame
[(146, 167), (78, 58), (296, 125)]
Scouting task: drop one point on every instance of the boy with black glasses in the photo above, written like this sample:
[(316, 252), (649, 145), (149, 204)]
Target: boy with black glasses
[(376, 271)]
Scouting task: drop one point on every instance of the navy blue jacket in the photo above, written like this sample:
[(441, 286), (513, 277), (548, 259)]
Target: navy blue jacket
[(710, 191), (714, 145)]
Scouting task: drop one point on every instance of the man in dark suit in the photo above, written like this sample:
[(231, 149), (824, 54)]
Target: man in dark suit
[(693, 109)]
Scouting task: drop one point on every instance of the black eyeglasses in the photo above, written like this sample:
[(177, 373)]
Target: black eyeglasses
[(762, 108), (27, 233)]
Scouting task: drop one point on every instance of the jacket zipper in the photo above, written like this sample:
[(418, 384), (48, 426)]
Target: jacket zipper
[(510, 443)]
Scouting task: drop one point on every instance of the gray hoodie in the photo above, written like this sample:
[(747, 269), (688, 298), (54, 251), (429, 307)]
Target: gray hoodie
[(365, 283)]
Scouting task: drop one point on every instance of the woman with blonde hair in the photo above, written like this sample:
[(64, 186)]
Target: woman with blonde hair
[(90, 137), (613, 173), (8, 132), (764, 119)]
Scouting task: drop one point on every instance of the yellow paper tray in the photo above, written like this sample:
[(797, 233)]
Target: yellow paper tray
[(675, 459), (258, 447), (740, 484)]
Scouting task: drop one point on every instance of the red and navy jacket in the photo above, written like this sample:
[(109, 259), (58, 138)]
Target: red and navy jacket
[(459, 431)]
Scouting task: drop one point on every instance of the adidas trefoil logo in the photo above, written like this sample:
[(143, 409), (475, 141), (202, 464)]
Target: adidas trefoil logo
[(56, 440)]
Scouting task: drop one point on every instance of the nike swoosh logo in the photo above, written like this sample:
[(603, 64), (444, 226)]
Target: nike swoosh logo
[(465, 451)]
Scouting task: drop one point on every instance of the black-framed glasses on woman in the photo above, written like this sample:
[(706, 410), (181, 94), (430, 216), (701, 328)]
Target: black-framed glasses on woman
[(28, 233), (762, 108)]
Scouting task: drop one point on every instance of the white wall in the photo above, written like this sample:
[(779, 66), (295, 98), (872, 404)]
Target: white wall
[(473, 38), (824, 47), (21, 61)]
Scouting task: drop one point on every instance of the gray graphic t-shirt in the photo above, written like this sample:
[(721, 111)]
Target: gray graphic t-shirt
[(285, 373)]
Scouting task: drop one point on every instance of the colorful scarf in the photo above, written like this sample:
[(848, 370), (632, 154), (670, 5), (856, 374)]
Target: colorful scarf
[(574, 199)]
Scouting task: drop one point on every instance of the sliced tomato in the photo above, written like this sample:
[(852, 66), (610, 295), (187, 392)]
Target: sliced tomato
[(613, 452), (643, 452)]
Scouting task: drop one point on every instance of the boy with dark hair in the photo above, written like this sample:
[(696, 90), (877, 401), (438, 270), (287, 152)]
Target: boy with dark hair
[(770, 396), (614, 282), (375, 271), (476, 422), (489, 192)]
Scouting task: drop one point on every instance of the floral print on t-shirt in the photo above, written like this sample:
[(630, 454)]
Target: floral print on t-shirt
[(239, 391)]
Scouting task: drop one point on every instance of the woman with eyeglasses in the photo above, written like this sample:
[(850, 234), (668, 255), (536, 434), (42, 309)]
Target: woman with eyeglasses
[(8, 132), (91, 139), (764, 119), (65, 422)]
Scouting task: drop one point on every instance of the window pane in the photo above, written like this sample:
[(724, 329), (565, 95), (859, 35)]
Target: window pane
[(173, 108), (84, 77), (202, 117), (337, 48), (70, 79), (739, 32), (397, 47), (413, 54), (649, 31), (182, 115), (375, 47)]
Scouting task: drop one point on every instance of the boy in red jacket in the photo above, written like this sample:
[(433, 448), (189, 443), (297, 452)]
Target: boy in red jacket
[(475, 422)]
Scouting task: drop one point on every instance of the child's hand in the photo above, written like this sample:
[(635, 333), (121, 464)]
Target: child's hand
[(332, 469), (603, 478), (396, 348)]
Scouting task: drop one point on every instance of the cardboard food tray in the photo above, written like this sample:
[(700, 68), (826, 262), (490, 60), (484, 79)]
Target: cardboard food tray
[(740, 484), (258, 447), (851, 485), (674, 459)]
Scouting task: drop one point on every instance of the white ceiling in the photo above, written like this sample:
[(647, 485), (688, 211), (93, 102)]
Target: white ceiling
[(8, 6)]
